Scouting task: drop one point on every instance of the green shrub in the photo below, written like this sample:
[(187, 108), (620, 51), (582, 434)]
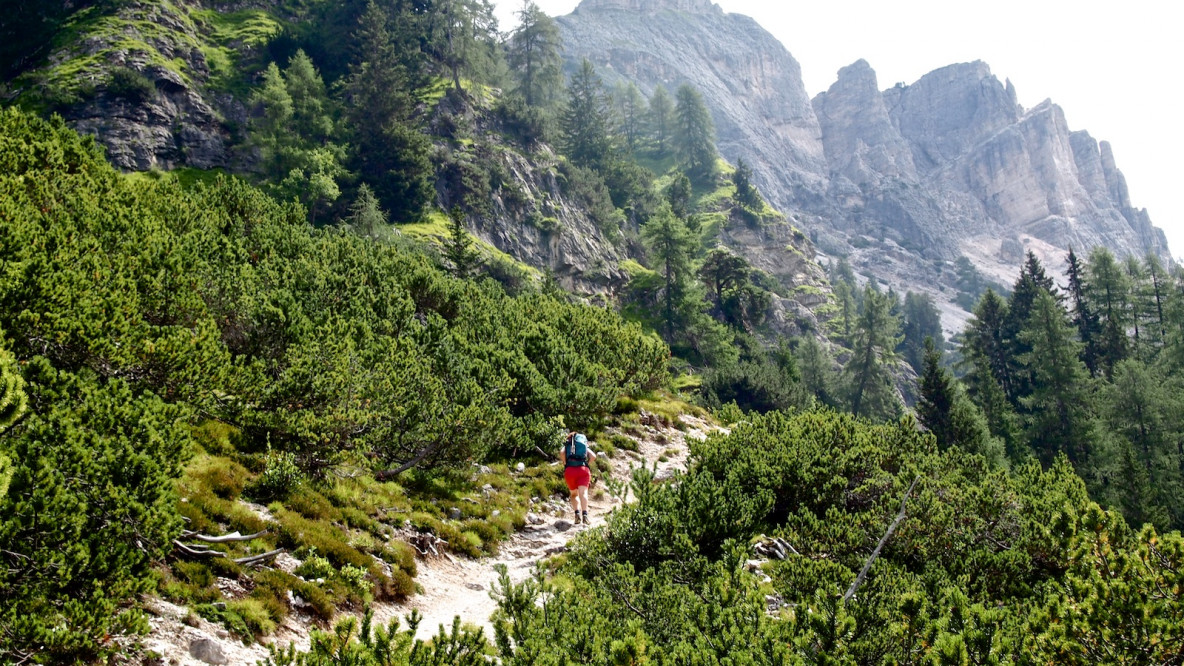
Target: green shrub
[(131, 85), (281, 476)]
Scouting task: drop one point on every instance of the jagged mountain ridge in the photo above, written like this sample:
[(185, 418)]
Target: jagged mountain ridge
[(902, 180)]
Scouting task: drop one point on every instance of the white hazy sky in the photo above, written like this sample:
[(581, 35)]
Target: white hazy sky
[(1114, 67)]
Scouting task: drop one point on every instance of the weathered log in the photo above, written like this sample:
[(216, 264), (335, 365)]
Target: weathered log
[(233, 537)]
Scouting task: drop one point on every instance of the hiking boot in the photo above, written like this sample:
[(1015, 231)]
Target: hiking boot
[(585, 518), (577, 518)]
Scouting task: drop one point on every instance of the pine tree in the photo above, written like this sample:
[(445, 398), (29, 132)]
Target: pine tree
[(746, 194), (694, 134), (1159, 295), (586, 122), (458, 247), (985, 340), (661, 119), (1059, 409), (13, 401), (869, 384), (533, 53), (272, 127)]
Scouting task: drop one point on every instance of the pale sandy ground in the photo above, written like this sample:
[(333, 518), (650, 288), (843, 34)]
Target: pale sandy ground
[(452, 586)]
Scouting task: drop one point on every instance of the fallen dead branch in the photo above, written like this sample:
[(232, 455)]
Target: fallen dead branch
[(876, 553)]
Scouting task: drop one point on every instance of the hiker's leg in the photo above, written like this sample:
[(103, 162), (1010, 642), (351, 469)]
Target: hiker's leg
[(584, 498), (575, 502)]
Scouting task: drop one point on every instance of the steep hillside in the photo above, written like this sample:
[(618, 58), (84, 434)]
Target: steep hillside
[(903, 181)]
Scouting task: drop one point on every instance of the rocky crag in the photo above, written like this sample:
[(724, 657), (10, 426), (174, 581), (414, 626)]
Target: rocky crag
[(903, 181)]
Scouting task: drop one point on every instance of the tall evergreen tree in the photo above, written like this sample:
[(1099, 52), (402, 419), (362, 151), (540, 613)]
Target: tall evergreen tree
[(1109, 290), (868, 376), (694, 134), (388, 150), (586, 122), (671, 249), (661, 119), (746, 194), (1031, 283), (631, 111), (817, 370), (946, 411), (921, 321), (678, 195), (1084, 318), (1059, 409), (1159, 295), (533, 53), (985, 340)]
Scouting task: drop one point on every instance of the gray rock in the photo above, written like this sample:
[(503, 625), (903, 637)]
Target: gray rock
[(454, 513), (563, 525), (208, 650)]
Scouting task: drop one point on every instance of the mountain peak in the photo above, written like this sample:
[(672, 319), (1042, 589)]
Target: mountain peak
[(652, 6)]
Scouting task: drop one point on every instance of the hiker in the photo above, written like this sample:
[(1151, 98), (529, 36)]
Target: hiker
[(576, 457)]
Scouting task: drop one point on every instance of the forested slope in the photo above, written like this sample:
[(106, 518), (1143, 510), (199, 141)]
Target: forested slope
[(143, 315)]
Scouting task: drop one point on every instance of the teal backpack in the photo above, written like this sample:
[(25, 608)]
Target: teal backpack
[(576, 451)]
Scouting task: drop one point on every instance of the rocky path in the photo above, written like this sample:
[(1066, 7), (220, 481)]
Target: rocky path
[(452, 586)]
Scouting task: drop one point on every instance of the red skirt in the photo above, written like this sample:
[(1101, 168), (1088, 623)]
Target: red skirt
[(577, 477)]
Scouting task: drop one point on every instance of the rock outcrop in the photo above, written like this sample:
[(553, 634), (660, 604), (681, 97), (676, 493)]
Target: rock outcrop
[(904, 180), (752, 84)]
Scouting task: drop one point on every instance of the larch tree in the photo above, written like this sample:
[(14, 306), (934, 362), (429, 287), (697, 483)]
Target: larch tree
[(661, 119), (533, 53), (867, 376), (694, 134), (586, 121)]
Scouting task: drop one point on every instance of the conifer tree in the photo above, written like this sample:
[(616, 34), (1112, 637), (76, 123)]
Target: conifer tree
[(746, 194), (694, 134), (586, 122), (661, 119), (13, 401), (817, 370), (461, 35), (1083, 315), (458, 247), (678, 195), (868, 379), (1159, 288), (946, 411), (631, 110), (1031, 283), (533, 54), (1059, 409), (366, 216), (1109, 290), (671, 249), (389, 152), (921, 321)]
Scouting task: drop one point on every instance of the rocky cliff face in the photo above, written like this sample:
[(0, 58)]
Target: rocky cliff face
[(753, 85), (903, 180)]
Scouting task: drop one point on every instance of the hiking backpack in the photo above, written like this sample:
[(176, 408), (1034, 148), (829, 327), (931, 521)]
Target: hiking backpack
[(576, 451)]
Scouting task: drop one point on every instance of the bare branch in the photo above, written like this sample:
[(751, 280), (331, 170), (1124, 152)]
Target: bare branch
[(876, 553), (233, 537)]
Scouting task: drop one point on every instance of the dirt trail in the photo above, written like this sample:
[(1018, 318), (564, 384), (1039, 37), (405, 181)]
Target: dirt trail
[(452, 586)]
